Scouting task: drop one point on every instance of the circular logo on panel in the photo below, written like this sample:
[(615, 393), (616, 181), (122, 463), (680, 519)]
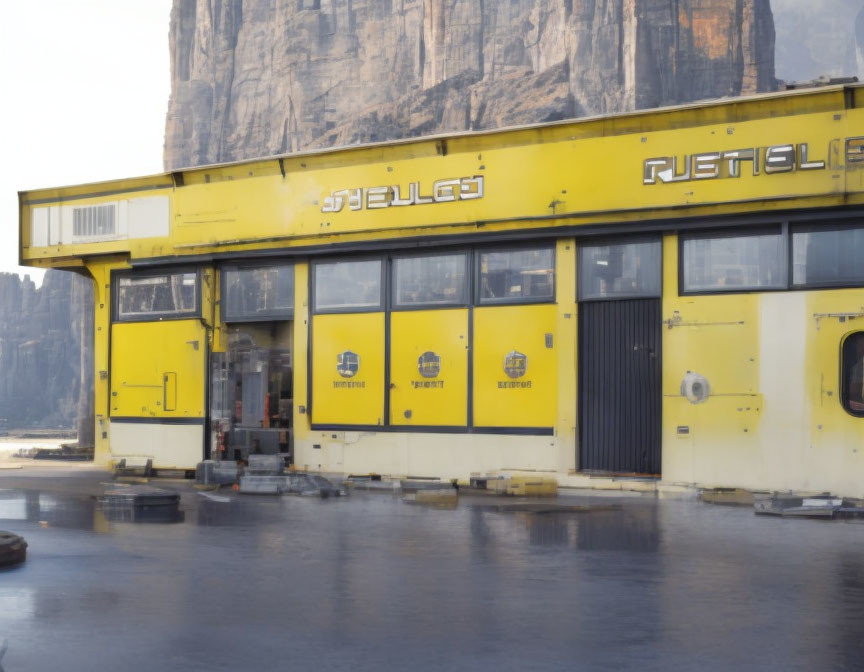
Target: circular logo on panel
[(429, 364), (515, 364), (348, 364)]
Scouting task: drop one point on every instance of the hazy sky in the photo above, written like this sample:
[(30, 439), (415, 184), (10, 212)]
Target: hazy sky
[(85, 89)]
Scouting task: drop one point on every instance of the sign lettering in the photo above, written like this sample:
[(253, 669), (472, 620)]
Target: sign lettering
[(730, 164), (375, 198)]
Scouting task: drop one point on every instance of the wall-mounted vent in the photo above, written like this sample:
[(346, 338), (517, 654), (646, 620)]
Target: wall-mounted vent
[(141, 217), (94, 221)]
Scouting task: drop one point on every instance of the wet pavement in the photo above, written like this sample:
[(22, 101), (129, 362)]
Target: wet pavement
[(370, 582)]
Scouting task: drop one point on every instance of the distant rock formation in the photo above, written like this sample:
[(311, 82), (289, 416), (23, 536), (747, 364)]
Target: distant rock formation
[(255, 78), (41, 353)]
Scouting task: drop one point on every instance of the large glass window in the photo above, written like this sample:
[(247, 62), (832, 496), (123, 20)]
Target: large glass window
[(345, 286), (852, 374), (620, 270), (823, 257), (512, 276), (729, 263), (439, 280), (259, 293), (147, 297)]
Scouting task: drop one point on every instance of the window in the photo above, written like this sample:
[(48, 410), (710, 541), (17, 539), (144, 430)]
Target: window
[(620, 270), (145, 297), (260, 293), (346, 286), (439, 280), (514, 276), (826, 257), (852, 374), (728, 263)]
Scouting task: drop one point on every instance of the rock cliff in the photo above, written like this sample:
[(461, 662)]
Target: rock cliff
[(41, 354), (261, 77)]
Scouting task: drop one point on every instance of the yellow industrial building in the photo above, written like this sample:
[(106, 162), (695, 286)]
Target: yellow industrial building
[(676, 293)]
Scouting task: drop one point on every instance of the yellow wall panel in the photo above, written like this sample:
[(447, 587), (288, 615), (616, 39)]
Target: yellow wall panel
[(526, 396), (519, 181), (301, 347), (566, 339), (101, 273), (436, 398), (158, 369), (833, 316), (353, 344), (716, 336)]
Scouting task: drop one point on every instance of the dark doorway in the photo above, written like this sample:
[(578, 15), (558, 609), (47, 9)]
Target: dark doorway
[(619, 386)]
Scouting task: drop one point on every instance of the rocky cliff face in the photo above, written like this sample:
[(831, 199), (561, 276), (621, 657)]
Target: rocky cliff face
[(41, 353), (261, 77)]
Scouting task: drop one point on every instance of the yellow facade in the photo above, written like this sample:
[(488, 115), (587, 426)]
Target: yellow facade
[(156, 369), (448, 390), (425, 400), (342, 396), (502, 400)]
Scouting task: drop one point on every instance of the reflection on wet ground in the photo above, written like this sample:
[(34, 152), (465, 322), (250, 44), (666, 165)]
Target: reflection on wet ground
[(368, 582)]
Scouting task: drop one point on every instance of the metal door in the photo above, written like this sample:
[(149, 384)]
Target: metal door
[(620, 386), (158, 383)]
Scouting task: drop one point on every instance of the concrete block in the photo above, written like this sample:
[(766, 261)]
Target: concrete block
[(213, 472), (532, 486), (266, 464), (141, 504), (312, 485), (731, 496), (134, 466), (415, 485), (485, 482), (674, 492), (442, 498), (261, 485), (374, 486)]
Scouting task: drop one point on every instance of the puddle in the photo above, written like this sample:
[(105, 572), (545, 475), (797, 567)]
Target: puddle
[(253, 582)]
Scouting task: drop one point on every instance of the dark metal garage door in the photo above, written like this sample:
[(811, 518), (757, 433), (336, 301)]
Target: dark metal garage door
[(619, 386)]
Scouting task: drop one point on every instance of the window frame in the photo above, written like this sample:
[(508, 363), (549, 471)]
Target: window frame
[(117, 275), (607, 242), (810, 226), (313, 285), (781, 229), (274, 316), (395, 307), (842, 397), (507, 301)]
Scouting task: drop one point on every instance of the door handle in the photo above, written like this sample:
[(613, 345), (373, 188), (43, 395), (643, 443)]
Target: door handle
[(194, 344), (169, 391)]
